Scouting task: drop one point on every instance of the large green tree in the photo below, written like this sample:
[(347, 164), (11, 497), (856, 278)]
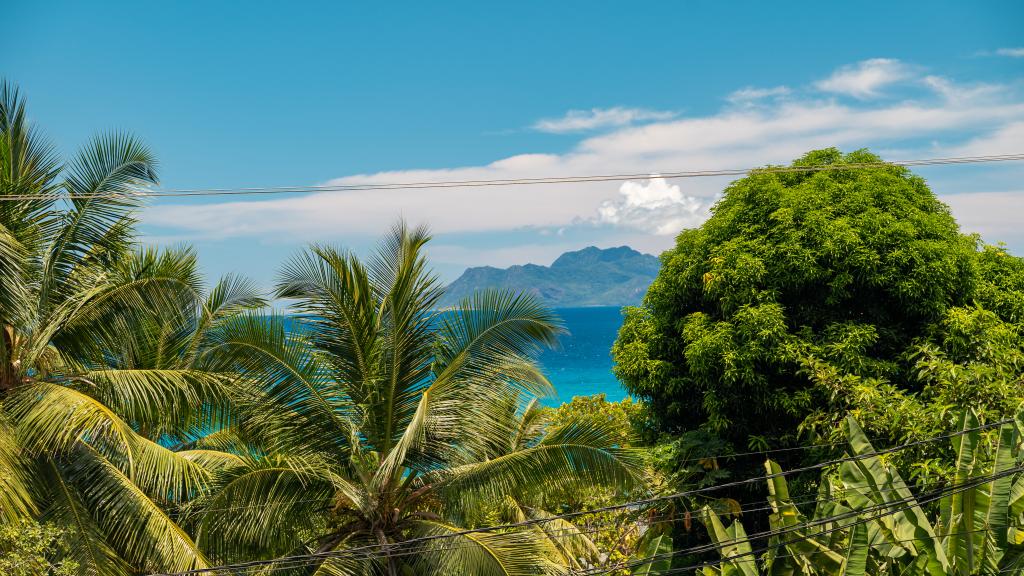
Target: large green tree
[(812, 294)]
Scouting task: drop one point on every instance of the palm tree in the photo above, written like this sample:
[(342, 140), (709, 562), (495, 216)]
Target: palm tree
[(378, 419), (102, 355)]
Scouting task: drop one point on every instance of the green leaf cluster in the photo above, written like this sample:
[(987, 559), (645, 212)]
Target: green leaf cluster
[(810, 295), (30, 549), (866, 520)]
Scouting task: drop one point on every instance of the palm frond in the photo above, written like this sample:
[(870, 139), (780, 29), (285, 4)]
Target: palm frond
[(29, 167), (495, 323), (262, 508), (570, 545), (66, 510), (532, 422), (151, 398), (212, 460), (136, 526), (519, 553), (14, 292), (577, 454), (408, 292), (55, 420), (103, 181), (339, 313), (16, 502), (289, 401), (232, 295)]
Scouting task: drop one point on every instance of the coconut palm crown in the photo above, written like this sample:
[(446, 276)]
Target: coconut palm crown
[(103, 358), (377, 419)]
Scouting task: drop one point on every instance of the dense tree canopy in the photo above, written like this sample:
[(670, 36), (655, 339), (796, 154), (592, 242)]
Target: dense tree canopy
[(811, 294)]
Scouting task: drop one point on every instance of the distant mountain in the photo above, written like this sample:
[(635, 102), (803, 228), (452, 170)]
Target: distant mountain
[(588, 277)]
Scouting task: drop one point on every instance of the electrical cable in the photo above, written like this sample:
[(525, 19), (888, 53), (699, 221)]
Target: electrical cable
[(911, 501), (532, 522), (670, 175)]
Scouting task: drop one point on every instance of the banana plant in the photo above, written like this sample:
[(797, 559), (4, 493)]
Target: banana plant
[(978, 531), (799, 546), (880, 528)]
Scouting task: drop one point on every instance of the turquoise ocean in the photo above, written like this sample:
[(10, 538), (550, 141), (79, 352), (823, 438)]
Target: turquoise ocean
[(582, 364)]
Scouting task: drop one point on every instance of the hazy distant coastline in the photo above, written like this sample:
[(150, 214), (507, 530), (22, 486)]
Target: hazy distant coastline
[(583, 278)]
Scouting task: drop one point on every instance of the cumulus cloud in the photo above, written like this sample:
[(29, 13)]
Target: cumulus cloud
[(865, 79), (596, 118), (654, 206), (1011, 52), (937, 124), (751, 94)]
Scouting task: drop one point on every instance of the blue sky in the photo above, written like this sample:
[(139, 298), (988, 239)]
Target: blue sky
[(269, 94)]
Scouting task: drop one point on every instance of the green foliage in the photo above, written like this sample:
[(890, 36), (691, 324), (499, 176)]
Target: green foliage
[(381, 419), (104, 354), (810, 295), (880, 528), (31, 549), (626, 417)]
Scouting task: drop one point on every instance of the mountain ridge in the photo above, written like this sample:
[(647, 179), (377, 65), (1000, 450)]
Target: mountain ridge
[(590, 276)]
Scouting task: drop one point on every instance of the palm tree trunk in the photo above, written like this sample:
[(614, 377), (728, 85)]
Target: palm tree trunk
[(8, 375), (392, 566)]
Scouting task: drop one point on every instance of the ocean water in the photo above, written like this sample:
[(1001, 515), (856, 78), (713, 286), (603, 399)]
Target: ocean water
[(582, 364)]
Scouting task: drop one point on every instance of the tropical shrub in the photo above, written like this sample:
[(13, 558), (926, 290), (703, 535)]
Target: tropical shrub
[(30, 549)]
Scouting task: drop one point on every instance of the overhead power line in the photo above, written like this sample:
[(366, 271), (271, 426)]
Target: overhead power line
[(884, 509), (570, 515), (400, 550), (668, 175), (556, 533), (855, 517)]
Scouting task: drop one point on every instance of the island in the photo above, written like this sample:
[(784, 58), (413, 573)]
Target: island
[(588, 277)]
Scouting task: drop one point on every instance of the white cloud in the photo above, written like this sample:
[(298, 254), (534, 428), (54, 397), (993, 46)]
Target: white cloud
[(994, 215), (654, 206), (1011, 52), (949, 120), (541, 254), (595, 118), (864, 79), (957, 92), (1005, 140), (751, 94)]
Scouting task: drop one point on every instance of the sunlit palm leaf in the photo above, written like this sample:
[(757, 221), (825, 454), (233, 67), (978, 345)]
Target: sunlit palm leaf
[(103, 181), (260, 509), (137, 527), (517, 553), (572, 455), (67, 511), (152, 396), (55, 419), (16, 501)]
